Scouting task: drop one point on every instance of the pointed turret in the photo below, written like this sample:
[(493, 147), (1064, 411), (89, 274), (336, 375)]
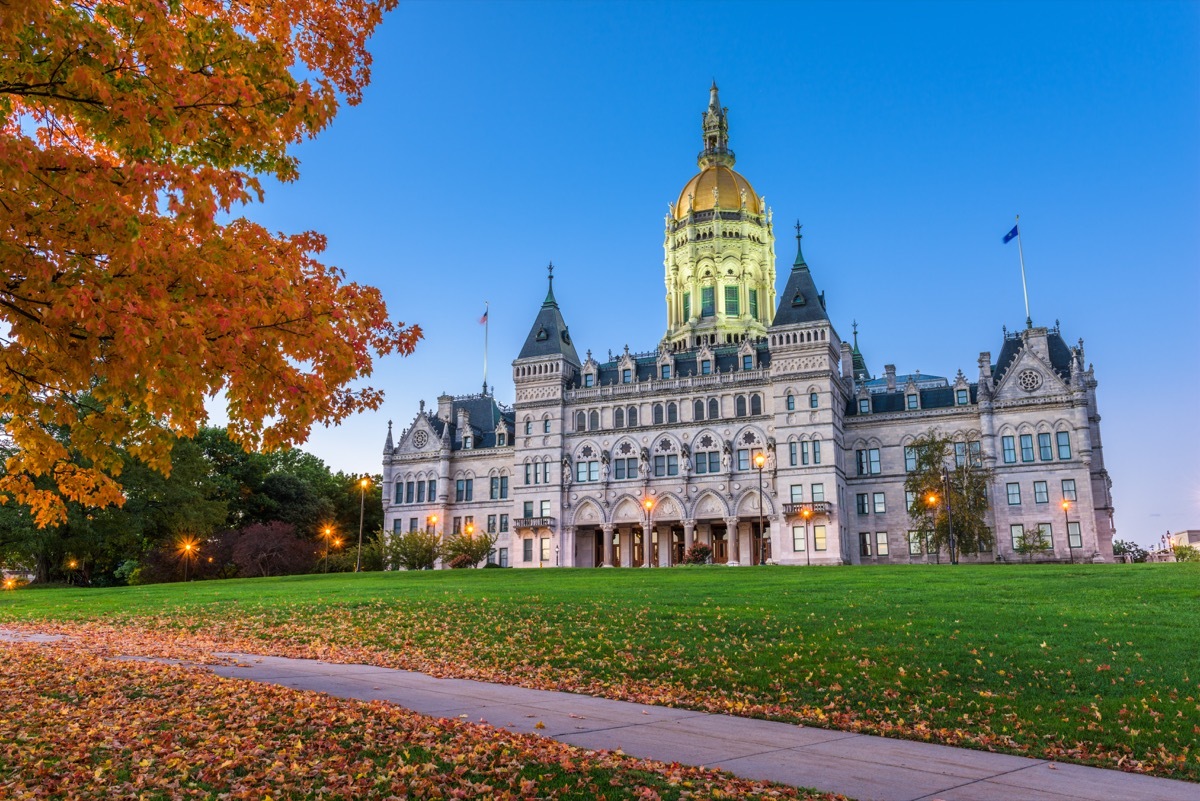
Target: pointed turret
[(388, 447), (860, 364), (716, 133), (549, 335), (800, 301)]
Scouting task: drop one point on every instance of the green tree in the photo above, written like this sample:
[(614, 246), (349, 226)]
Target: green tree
[(1135, 552), (468, 549), (1186, 553), (416, 550), (947, 470), (1031, 542)]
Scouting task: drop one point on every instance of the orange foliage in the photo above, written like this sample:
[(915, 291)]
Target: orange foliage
[(126, 128)]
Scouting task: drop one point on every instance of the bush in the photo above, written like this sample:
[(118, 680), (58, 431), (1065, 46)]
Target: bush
[(415, 550), (472, 548), (698, 554), (272, 549), (1135, 552), (1186, 553)]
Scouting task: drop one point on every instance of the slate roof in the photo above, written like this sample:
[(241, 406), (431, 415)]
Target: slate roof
[(727, 360), (484, 413), (800, 302), (931, 398), (549, 335), (1060, 355)]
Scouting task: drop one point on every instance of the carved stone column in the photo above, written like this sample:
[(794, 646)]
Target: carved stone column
[(567, 552), (689, 531), (607, 534), (733, 536)]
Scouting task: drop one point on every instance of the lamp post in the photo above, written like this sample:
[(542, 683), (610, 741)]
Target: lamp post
[(362, 505), (432, 521), (760, 461), (328, 534), (188, 547), (1066, 506), (806, 513), (932, 500), (649, 505), (949, 518)]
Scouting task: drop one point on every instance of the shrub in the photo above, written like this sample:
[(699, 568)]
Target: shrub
[(698, 554), (474, 548), (272, 549), (1135, 552), (415, 550), (1186, 553), (460, 561)]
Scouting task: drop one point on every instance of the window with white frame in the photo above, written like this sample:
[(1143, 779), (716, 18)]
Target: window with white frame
[(881, 543), (1068, 489), (915, 543), (1074, 535), (864, 405), (819, 543), (797, 493), (1041, 492), (879, 503), (1017, 532), (818, 493), (1014, 493), (798, 539)]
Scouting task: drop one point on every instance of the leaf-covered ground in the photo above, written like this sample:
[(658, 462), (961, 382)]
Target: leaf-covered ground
[(1089, 663), (74, 724)]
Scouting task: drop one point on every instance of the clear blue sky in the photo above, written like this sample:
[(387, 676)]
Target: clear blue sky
[(497, 136)]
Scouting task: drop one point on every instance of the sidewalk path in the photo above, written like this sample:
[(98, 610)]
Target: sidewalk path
[(860, 766)]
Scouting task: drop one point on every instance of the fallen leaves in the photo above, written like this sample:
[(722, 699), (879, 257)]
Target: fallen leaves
[(76, 724)]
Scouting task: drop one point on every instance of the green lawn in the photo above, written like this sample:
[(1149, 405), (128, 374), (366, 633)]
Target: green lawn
[(1095, 663)]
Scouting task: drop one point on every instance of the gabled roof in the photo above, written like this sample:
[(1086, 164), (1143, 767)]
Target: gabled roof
[(800, 301), (484, 414), (1060, 355), (931, 398), (549, 335)]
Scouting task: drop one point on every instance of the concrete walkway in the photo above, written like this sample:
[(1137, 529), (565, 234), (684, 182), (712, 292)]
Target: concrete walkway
[(860, 766)]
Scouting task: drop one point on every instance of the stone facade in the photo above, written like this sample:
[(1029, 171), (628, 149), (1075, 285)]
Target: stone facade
[(751, 416)]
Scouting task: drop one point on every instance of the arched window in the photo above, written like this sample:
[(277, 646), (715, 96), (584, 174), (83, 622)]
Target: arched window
[(632, 415), (739, 406), (672, 413), (593, 420), (618, 418), (658, 414), (580, 421), (755, 404), (528, 426), (698, 410), (814, 400), (791, 403), (714, 410), (546, 426)]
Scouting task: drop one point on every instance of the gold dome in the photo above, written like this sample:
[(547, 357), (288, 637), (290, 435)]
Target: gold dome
[(730, 186)]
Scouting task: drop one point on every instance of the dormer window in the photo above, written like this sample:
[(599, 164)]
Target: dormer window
[(501, 440), (747, 362), (466, 442), (706, 367), (911, 400), (961, 397), (864, 405), (666, 371), (589, 380), (627, 376)]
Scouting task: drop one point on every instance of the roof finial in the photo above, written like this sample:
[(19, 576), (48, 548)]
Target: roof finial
[(799, 262), (550, 301), (854, 329)]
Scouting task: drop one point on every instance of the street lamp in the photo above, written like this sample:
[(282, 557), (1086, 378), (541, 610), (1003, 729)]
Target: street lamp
[(362, 505), (432, 521), (949, 518), (328, 535), (187, 548), (649, 504), (806, 513), (760, 460), (932, 500), (1066, 505)]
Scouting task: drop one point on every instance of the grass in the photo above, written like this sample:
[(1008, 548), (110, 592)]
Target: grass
[(1091, 663)]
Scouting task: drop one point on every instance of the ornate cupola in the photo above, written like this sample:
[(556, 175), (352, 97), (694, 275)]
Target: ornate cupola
[(719, 249)]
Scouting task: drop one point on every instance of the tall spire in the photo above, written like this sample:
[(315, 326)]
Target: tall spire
[(550, 301), (799, 262), (715, 124)]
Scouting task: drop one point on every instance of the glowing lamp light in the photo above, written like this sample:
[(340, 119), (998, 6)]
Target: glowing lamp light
[(649, 504), (759, 460), (1066, 505)]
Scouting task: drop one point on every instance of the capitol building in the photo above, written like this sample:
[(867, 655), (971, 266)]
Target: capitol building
[(752, 427)]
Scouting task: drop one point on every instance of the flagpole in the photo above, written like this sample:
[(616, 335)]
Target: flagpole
[(1024, 288), (487, 320)]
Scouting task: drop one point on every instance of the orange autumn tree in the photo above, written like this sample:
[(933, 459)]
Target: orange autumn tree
[(129, 133)]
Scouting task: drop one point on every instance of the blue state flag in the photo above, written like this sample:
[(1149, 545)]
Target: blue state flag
[(1011, 235)]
